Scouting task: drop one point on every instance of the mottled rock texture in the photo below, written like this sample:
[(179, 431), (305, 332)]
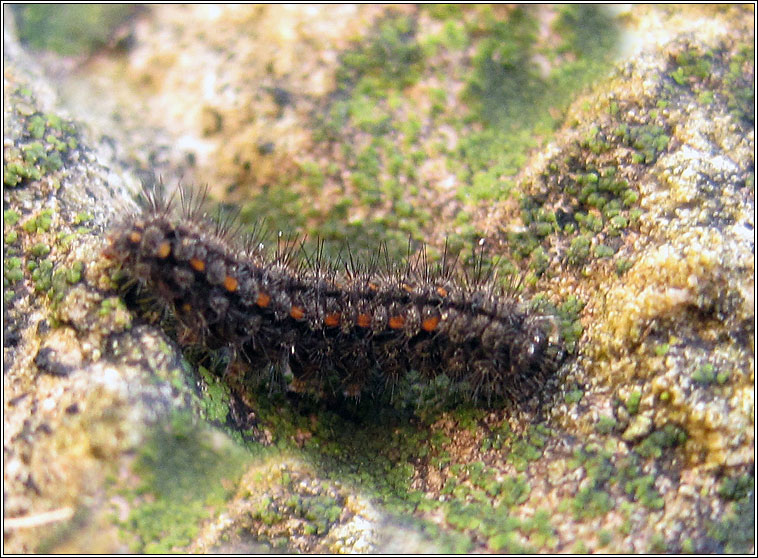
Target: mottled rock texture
[(613, 173)]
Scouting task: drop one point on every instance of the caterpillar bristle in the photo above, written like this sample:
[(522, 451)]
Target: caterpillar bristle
[(329, 326)]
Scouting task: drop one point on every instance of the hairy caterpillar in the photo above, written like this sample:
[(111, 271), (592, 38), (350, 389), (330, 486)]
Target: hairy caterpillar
[(330, 327)]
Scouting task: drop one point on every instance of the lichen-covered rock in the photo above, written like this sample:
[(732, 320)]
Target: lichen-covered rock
[(84, 387), (621, 190)]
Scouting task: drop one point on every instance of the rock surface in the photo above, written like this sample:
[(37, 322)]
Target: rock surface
[(622, 190)]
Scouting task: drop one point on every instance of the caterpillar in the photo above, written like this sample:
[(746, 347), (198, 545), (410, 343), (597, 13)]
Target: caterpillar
[(331, 327)]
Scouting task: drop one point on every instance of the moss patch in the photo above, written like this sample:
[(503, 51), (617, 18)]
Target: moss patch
[(42, 145), (518, 103), (399, 85), (70, 29), (736, 532), (428, 128), (723, 76), (186, 472)]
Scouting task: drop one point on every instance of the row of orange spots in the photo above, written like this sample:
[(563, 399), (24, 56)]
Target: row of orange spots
[(364, 320), (231, 284), (331, 320)]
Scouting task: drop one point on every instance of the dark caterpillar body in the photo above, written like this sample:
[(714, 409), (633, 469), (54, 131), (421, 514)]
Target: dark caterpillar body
[(333, 327)]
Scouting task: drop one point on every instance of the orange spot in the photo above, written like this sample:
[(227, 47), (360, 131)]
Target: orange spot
[(135, 237), (407, 288), (186, 307), (373, 286), (164, 250), (297, 312), (430, 324), (263, 300), (332, 320), (230, 284), (442, 291), (397, 322), (364, 320), (197, 265)]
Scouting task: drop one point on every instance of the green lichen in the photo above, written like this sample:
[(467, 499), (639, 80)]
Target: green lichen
[(389, 58), (528, 448), (606, 425), (598, 202), (216, 398), (71, 29), (39, 250), (623, 265), (186, 471), (739, 87), (594, 500), (650, 140), (591, 502), (719, 76), (642, 489), (657, 544), (10, 217), (568, 314), (691, 64), (539, 530), (579, 250), (351, 456), (707, 375), (502, 62), (489, 520), (74, 273), (509, 106), (41, 274), (736, 531), (110, 306), (39, 224), (376, 449), (737, 488), (603, 251), (380, 451), (83, 217), (633, 402), (59, 284), (41, 149), (13, 271), (316, 513), (16, 172), (61, 280)]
